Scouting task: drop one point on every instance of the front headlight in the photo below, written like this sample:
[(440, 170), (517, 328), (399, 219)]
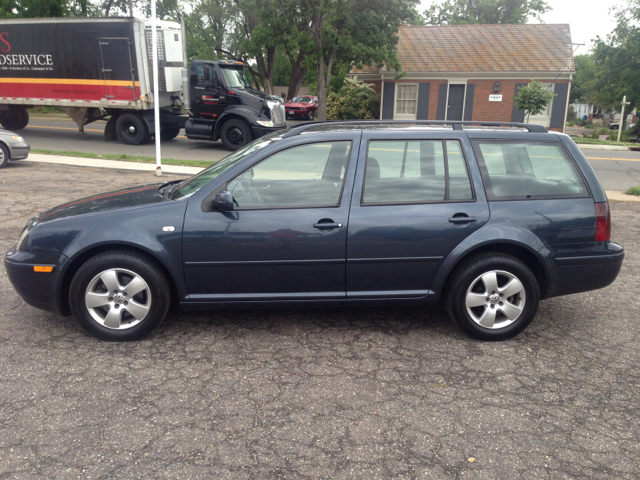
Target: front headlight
[(23, 237), (18, 138), (265, 123)]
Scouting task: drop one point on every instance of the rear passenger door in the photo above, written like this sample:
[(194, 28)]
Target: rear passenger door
[(414, 200)]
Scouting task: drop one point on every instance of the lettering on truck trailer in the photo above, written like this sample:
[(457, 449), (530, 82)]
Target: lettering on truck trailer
[(35, 60)]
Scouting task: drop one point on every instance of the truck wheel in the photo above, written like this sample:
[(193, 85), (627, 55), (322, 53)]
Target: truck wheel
[(132, 130), (4, 156), (16, 119), (169, 133), (110, 129), (235, 134)]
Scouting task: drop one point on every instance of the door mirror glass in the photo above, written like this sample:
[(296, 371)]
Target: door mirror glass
[(224, 201)]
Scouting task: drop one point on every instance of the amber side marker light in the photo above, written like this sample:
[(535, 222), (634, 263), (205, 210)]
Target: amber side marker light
[(42, 269)]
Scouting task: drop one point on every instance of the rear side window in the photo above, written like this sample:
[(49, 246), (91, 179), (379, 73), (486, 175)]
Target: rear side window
[(528, 170), (415, 171)]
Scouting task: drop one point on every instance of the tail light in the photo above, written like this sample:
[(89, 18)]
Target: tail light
[(603, 222)]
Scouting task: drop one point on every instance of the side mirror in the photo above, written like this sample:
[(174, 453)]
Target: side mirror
[(224, 201)]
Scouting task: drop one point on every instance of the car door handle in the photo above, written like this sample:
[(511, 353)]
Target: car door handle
[(462, 219), (327, 225)]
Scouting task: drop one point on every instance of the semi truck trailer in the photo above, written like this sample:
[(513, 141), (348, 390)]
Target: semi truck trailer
[(101, 68)]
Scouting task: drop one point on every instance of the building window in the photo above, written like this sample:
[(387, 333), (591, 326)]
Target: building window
[(406, 100), (544, 117)]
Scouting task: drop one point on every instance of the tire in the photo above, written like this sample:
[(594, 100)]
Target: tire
[(4, 156), (235, 134), (132, 130), (310, 115), (169, 133), (472, 304), (16, 119), (110, 129), (121, 317)]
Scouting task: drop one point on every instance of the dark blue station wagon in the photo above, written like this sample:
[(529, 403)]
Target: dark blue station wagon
[(487, 218)]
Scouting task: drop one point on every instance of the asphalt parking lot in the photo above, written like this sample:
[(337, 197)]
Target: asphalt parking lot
[(315, 394)]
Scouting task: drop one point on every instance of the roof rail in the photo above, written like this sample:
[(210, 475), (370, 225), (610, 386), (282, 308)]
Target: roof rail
[(455, 124)]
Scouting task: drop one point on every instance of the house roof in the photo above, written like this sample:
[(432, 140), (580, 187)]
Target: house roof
[(468, 48)]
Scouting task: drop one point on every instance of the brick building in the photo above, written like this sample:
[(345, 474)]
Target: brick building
[(471, 72)]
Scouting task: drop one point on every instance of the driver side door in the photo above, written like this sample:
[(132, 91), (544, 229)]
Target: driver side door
[(286, 237)]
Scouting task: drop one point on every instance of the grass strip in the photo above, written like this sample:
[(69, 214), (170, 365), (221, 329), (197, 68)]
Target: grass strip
[(125, 158), (595, 141), (634, 191)]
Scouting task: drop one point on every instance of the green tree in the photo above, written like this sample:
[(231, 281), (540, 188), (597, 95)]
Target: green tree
[(618, 60), (346, 32), (584, 80), (533, 98), (464, 12), (33, 8)]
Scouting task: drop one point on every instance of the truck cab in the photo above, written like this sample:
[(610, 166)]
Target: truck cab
[(225, 104)]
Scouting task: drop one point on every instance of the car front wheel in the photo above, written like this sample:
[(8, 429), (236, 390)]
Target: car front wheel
[(493, 296), (119, 296)]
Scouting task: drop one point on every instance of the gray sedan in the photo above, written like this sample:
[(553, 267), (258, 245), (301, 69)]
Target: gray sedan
[(12, 147)]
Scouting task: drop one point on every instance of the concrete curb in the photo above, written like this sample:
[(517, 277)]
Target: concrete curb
[(99, 163), (622, 197), (603, 147)]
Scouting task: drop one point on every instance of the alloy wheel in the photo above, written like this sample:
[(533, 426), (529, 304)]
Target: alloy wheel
[(118, 299), (495, 299)]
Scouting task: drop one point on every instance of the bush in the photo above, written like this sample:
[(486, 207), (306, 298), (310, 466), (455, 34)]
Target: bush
[(570, 124), (355, 100), (604, 131)]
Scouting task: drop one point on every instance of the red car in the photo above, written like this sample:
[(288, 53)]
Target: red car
[(304, 106)]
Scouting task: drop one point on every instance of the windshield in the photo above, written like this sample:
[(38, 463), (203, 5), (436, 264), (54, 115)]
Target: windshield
[(195, 183), (236, 77), (302, 100)]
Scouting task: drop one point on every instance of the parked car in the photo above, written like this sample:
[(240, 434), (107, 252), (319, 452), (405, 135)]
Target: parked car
[(488, 220), (12, 147), (304, 106)]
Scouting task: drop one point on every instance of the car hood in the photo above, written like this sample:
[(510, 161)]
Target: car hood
[(127, 198)]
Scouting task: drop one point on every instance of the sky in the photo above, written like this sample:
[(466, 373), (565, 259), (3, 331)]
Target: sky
[(587, 18)]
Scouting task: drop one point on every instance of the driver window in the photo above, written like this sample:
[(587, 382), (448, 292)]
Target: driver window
[(213, 76), (310, 175), (200, 72)]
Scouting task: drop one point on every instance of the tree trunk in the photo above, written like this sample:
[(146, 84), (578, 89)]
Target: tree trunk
[(107, 8), (131, 8), (262, 70), (271, 55), (298, 74)]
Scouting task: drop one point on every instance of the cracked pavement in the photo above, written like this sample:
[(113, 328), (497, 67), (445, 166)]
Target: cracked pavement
[(315, 394)]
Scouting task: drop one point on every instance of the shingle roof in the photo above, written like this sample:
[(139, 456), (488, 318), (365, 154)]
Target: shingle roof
[(468, 48)]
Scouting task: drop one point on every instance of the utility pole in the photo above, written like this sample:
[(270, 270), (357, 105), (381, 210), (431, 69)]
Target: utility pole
[(156, 89), (621, 123)]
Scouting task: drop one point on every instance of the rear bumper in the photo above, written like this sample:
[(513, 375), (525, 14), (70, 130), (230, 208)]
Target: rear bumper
[(582, 273), (40, 290)]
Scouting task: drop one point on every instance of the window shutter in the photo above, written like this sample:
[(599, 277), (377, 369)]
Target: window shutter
[(389, 94), (422, 112), (442, 100), (468, 102), (558, 105)]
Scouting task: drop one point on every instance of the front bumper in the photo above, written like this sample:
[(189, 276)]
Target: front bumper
[(581, 273), (40, 290), (18, 150), (259, 131)]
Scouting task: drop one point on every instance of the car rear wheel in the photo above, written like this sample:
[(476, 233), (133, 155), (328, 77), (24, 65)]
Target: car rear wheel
[(4, 156), (119, 296), (493, 296), (310, 115)]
